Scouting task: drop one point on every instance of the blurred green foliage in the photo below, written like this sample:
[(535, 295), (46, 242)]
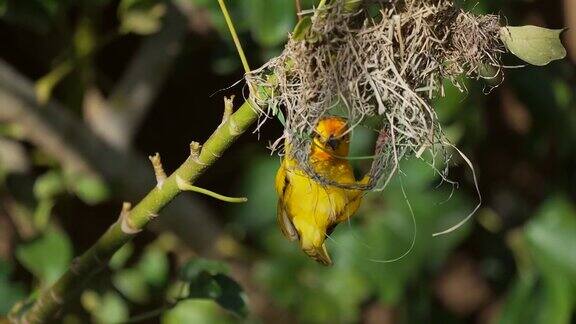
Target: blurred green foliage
[(47, 257), (10, 292)]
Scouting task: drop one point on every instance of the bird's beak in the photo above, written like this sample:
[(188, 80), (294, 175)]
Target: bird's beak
[(320, 255)]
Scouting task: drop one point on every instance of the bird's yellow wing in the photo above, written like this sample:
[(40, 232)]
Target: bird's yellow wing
[(287, 227), (354, 198)]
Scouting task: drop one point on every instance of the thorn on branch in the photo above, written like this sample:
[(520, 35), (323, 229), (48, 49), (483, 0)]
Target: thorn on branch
[(158, 170), (195, 149), (227, 117), (186, 186), (228, 108), (126, 224)]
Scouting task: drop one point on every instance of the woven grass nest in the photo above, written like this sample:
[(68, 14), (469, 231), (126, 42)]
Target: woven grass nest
[(376, 63)]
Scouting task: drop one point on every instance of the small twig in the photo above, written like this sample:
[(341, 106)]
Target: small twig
[(234, 36), (228, 108), (125, 223), (185, 186), (195, 149), (158, 169), (298, 9)]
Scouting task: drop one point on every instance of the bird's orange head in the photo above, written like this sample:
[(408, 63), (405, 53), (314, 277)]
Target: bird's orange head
[(331, 140)]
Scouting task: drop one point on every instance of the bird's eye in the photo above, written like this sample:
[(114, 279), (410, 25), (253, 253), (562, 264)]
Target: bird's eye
[(333, 143)]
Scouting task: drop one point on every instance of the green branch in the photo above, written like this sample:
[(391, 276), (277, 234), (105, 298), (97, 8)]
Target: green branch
[(132, 221)]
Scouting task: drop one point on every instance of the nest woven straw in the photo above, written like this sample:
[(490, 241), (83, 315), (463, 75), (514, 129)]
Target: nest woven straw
[(388, 66)]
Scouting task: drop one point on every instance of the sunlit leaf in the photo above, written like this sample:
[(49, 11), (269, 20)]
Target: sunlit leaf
[(196, 311), (144, 17), (119, 258), (90, 189), (112, 309), (49, 185), (533, 44), (45, 85)]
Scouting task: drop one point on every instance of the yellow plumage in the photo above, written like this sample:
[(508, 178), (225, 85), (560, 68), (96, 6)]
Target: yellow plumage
[(308, 210)]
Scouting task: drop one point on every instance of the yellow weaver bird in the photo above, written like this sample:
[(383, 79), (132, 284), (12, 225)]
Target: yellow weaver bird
[(307, 210)]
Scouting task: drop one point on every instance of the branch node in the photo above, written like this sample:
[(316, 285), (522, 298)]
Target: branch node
[(195, 149), (126, 224), (158, 169), (228, 108), (182, 184)]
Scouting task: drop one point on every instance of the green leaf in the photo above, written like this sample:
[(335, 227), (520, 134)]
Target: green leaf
[(207, 279), (112, 309), (302, 28), (548, 235), (534, 300), (193, 268), (141, 18), (121, 256), (90, 300), (204, 286), (42, 214), (47, 257), (518, 307), (269, 21), (45, 85), (535, 45), (89, 189), (154, 267), (196, 311), (10, 292), (49, 185), (132, 284), (231, 296), (220, 288), (545, 293)]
